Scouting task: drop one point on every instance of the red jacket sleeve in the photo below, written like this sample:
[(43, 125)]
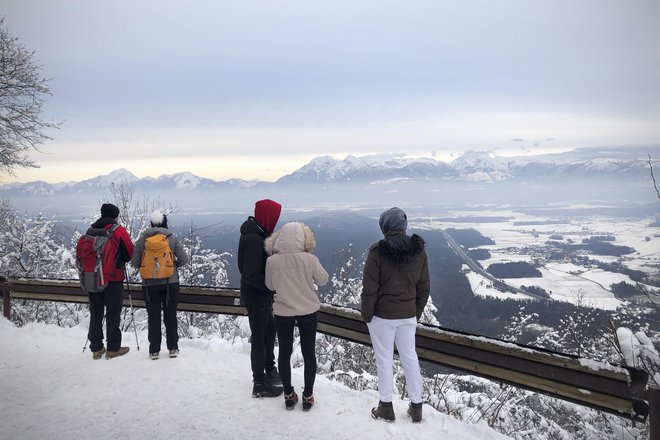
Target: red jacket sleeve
[(125, 244)]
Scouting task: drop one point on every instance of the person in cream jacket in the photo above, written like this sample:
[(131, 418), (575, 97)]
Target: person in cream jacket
[(293, 272)]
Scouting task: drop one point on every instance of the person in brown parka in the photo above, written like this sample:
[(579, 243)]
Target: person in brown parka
[(395, 289)]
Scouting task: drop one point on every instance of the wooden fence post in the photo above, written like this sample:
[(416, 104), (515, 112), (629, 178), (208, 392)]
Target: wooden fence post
[(653, 397), (6, 303)]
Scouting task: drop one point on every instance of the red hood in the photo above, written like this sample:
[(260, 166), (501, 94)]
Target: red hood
[(267, 213)]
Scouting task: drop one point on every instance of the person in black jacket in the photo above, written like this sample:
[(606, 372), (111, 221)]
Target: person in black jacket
[(257, 298)]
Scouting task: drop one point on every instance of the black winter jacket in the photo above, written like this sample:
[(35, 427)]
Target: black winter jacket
[(252, 258)]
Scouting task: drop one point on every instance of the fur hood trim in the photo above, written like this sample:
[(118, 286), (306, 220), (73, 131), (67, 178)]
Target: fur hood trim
[(292, 237), (402, 250)]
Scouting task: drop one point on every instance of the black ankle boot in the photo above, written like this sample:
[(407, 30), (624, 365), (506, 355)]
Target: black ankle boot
[(385, 411)]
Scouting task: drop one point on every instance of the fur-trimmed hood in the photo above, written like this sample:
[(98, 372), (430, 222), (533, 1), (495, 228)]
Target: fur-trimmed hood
[(292, 237), (399, 247)]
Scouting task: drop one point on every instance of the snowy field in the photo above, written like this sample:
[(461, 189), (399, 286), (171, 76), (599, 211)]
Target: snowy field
[(50, 390), (567, 282)]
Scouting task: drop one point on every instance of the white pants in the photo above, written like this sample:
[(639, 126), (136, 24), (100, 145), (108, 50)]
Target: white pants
[(384, 334)]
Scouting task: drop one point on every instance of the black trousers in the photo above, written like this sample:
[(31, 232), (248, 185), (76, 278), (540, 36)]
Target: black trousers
[(307, 327), (262, 326), (162, 297), (110, 301)]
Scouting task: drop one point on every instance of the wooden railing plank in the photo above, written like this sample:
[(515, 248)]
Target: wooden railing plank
[(615, 389)]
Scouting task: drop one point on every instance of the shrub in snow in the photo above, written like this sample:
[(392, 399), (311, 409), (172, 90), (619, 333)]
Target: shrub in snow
[(638, 351)]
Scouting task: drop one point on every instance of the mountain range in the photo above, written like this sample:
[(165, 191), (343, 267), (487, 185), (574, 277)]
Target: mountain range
[(476, 180), (472, 166)]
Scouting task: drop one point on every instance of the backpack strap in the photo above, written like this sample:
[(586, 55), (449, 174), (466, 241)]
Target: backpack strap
[(112, 229)]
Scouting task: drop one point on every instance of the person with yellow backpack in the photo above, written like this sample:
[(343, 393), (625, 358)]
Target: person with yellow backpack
[(158, 254)]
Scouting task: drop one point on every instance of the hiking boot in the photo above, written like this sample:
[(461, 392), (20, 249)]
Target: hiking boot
[(264, 389), (308, 402), (98, 354), (385, 411), (174, 353), (154, 356), (415, 411), (273, 377), (113, 354), (290, 400)]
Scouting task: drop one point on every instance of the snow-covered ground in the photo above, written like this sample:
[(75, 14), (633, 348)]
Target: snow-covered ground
[(50, 390), (566, 281)]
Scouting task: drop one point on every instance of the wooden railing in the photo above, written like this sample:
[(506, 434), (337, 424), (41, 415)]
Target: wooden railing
[(615, 389)]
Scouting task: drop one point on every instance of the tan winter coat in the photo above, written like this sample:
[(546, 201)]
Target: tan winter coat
[(292, 271)]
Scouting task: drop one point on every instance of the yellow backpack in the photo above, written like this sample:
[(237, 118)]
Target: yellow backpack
[(157, 258)]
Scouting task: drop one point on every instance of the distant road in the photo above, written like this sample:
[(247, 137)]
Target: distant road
[(478, 269)]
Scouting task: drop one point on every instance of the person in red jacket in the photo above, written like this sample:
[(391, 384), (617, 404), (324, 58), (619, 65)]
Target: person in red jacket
[(109, 299)]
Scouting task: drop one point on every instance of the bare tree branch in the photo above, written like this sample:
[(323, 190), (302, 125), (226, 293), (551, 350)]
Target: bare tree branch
[(655, 185), (22, 95)]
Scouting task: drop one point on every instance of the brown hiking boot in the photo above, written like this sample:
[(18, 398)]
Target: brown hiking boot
[(415, 411), (385, 411), (98, 354), (112, 354)]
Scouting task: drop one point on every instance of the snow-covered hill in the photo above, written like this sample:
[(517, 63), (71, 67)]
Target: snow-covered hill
[(50, 390)]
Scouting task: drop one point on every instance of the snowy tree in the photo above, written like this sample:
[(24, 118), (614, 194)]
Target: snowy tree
[(22, 95), (518, 325), (135, 209), (429, 314), (522, 414), (579, 333), (638, 351), (207, 267), (345, 361), (30, 248), (346, 283)]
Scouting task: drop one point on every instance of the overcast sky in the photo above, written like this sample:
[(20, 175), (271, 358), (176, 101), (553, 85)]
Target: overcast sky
[(255, 89)]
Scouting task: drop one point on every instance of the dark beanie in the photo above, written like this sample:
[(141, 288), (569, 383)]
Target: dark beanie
[(109, 210), (267, 213)]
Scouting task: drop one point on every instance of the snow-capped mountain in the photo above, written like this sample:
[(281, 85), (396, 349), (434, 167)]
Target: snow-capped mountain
[(107, 180), (184, 181), (486, 167), (481, 166), (393, 171), (326, 169), (38, 188)]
